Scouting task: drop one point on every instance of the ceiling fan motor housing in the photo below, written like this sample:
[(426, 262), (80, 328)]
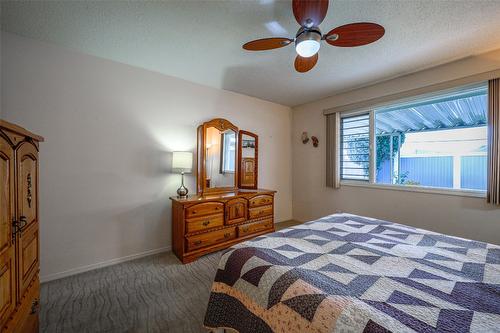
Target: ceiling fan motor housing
[(305, 31)]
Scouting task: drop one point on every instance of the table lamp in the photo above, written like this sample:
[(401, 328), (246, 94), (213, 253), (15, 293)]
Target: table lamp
[(182, 162)]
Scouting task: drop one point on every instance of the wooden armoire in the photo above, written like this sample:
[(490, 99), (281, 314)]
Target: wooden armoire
[(19, 226)]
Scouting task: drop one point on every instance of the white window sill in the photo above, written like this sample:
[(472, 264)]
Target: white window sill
[(421, 189)]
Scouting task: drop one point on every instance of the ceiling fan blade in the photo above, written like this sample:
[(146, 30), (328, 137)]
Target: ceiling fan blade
[(267, 44), (309, 13), (303, 65), (355, 34)]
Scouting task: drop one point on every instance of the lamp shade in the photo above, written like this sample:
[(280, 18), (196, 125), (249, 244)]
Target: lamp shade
[(182, 161)]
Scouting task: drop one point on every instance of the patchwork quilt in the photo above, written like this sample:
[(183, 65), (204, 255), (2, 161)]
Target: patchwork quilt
[(346, 273)]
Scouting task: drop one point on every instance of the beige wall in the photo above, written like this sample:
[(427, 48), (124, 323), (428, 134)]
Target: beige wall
[(105, 178), (461, 216)]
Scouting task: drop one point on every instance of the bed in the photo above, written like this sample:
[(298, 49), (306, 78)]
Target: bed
[(347, 273)]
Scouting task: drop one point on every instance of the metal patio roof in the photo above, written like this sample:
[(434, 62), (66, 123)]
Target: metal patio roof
[(467, 108)]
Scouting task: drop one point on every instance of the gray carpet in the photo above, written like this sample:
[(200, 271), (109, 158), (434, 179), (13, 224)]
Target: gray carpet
[(153, 294)]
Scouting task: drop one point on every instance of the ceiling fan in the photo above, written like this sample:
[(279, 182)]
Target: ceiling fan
[(309, 14)]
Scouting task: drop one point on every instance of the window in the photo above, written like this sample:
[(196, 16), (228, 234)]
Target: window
[(437, 141), (228, 152), (355, 147)]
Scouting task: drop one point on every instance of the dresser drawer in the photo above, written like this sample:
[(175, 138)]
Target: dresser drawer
[(210, 238), (260, 212), (251, 228), (261, 200), (206, 208), (204, 223)]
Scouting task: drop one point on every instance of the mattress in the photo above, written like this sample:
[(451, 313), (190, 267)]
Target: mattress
[(347, 273)]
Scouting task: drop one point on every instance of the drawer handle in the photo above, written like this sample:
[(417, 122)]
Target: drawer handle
[(34, 306), (227, 235), (198, 242), (206, 223)]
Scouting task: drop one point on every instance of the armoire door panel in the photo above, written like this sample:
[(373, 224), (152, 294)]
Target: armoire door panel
[(7, 264), (5, 202), (7, 285), (28, 255), (27, 183), (6, 194)]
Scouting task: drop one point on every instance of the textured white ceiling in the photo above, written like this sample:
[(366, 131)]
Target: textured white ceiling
[(201, 41)]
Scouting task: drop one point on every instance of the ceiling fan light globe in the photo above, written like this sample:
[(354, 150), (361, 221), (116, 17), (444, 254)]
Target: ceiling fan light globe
[(307, 48), (307, 43)]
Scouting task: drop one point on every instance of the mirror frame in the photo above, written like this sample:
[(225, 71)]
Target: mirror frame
[(222, 125), (240, 142)]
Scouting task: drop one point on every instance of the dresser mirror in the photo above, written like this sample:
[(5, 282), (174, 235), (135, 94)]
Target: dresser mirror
[(248, 148), (217, 156)]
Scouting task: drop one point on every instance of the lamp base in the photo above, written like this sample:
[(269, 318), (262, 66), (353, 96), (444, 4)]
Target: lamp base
[(182, 192)]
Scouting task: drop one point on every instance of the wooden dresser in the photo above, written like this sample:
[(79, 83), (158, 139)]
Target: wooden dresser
[(19, 226), (204, 224)]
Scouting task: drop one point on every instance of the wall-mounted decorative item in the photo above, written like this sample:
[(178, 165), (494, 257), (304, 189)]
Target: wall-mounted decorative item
[(315, 141), (305, 138)]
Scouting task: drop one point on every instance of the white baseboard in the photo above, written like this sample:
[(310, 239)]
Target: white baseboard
[(283, 221), (77, 270)]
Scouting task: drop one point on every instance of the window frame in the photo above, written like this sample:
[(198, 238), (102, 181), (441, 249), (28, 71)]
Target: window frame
[(370, 125), (371, 182)]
